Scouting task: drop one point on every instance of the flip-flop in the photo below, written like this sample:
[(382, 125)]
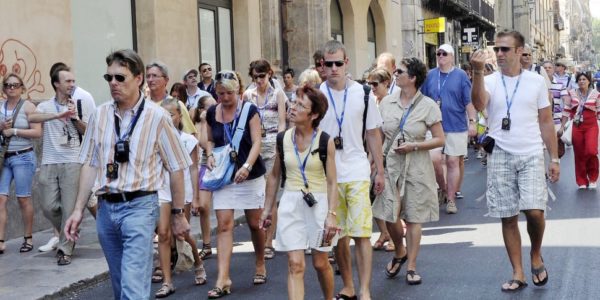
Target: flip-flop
[(259, 279), (535, 272), (520, 285), (412, 273), (396, 261), (341, 296)]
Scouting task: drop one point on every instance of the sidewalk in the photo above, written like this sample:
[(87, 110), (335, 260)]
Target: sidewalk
[(36, 275)]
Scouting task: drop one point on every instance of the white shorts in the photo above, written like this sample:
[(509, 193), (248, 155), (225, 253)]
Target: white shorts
[(250, 194), (299, 226), (456, 143)]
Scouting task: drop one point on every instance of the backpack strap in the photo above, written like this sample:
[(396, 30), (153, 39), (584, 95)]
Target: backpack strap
[(80, 115), (323, 141), (367, 91), (279, 145)]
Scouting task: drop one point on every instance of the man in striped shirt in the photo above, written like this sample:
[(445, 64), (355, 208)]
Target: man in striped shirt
[(128, 144), (59, 173)]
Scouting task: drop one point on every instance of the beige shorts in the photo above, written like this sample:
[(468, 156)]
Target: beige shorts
[(456, 143)]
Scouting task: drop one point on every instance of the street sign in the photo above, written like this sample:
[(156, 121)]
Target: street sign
[(434, 25), (470, 36)]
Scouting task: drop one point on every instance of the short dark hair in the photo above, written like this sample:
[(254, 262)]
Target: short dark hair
[(181, 91), (415, 68), (202, 65), (318, 100), (199, 107), (519, 38), (260, 66), (588, 76), (56, 65), (56, 69), (289, 71), (318, 55), (129, 59)]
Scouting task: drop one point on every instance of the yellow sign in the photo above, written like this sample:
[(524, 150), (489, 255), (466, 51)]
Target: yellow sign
[(431, 39), (435, 25)]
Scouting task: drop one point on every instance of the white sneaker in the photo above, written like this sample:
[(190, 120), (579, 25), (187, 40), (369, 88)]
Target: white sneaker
[(50, 245), (582, 187), (593, 185), (451, 208), (479, 155)]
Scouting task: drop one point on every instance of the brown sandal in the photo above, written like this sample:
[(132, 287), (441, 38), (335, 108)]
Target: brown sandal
[(206, 251), (26, 247)]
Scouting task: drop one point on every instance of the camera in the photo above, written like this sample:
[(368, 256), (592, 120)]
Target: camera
[(122, 151), (309, 199)]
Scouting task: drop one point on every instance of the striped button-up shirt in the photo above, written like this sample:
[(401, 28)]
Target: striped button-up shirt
[(153, 147)]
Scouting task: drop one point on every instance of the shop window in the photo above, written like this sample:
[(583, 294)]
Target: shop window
[(216, 35)]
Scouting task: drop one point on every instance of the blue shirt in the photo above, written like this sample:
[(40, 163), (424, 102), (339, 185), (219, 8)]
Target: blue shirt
[(453, 93)]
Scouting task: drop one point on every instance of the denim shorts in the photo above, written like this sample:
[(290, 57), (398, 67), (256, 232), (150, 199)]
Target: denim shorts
[(21, 168)]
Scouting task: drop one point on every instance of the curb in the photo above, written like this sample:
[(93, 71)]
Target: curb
[(86, 283)]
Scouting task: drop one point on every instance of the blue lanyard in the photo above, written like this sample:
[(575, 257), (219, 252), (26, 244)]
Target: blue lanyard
[(6, 109), (391, 89), (441, 86), (131, 126), (405, 116), (302, 165), (339, 120), (264, 107), (509, 103), (228, 128)]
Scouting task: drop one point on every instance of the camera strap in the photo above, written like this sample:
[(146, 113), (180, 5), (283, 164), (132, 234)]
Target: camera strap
[(302, 164), (131, 125)]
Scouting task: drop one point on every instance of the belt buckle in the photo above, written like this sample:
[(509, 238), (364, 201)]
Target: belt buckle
[(123, 196)]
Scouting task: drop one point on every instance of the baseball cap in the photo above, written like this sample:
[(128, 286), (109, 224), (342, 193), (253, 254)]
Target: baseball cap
[(188, 73), (447, 48)]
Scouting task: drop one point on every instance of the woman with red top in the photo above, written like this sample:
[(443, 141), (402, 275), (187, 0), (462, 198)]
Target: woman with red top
[(583, 106)]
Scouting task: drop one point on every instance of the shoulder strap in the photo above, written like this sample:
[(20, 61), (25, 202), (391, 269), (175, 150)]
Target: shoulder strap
[(279, 145), (367, 91), (80, 115), (568, 81), (391, 141), (241, 125), (323, 141), (14, 119)]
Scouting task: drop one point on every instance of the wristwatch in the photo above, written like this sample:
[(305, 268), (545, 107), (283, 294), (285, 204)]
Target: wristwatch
[(333, 213), (416, 148), (248, 166), (176, 211), (556, 160)]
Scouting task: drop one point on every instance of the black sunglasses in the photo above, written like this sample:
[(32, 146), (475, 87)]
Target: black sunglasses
[(503, 49), (261, 75), (526, 54), (399, 72), (373, 83), (11, 86), (225, 75), (117, 77), (337, 63), (442, 53), (206, 70)]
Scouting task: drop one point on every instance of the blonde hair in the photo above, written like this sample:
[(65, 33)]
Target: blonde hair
[(229, 80), (310, 77), (381, 75)]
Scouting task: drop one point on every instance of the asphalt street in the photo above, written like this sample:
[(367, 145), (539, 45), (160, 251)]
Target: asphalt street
[(462, 256)]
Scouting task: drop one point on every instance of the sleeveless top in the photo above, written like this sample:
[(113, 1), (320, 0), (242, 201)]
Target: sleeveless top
[(315, 175), (20, 122)]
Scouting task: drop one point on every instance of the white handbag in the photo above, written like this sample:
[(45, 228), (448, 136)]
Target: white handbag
[(567, 136)]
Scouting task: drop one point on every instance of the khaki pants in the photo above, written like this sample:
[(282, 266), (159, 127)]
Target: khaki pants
[(58, 189)]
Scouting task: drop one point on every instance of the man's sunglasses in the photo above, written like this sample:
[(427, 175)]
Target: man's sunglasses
[(206, 70), (117, 77), (11, 86), (503, 49), (373, 83), (257, 76), (526, 54), (442, 53), (225, 75), (337, 63)]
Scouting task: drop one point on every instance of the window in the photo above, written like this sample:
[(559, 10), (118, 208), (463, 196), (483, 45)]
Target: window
[(337, 27), (216, 36), (372, 46)]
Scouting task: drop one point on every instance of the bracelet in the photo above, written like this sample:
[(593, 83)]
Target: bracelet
[(556, 160), (210, 155), (333, 213), (478, 72)]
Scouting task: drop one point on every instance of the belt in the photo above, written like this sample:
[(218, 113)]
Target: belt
[(13, 153), (125, 196)]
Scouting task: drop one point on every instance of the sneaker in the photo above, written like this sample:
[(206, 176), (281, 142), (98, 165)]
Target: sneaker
[(593, 185), (582, 187), (451, 208), (466, 158), (479, 155), (50, 245), (459, 195)]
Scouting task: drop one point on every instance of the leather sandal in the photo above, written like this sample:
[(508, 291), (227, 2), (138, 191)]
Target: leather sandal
[(259, 279), (218, 292), (200, 275), (62, 259), (269, 252), (165, 290), (206, 251), (2, 250), (410, 277), (157, 275), (535, 272), (26, 247), (396, 261)]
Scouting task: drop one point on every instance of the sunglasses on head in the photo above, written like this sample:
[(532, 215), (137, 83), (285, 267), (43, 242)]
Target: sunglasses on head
[(225, 75), (337, 63), (117, 77), (503, 49), (206, 70), (12, 86), (442, 53), (373, 83), (257, 76)]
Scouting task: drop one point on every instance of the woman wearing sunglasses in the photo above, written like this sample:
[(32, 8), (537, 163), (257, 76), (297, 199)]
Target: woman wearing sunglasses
[(19, 159), (247, 191), (410, 190), (271, 103)]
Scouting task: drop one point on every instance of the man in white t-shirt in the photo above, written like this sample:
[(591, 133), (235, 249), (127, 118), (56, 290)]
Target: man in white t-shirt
[(58, 176), (519, 119), (343, 122)]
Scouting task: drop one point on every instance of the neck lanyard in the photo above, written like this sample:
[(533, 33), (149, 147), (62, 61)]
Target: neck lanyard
[(405, 117), (509, 103), (228, 128), (339, 120), (6, 109), (302, 164), (391, 89), (441, 85), (582, 100), (57, 106), (262, 108), (131, 125)]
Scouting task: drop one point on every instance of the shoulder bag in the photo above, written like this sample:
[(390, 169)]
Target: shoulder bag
[(222, 173), (6, 140)]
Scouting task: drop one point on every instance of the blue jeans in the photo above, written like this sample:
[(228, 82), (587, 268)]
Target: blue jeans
[(21, 168), (125, 232)]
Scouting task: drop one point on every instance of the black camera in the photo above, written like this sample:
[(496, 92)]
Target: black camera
[(122, 151), (309, 199), (338, 142), (506, 124)]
